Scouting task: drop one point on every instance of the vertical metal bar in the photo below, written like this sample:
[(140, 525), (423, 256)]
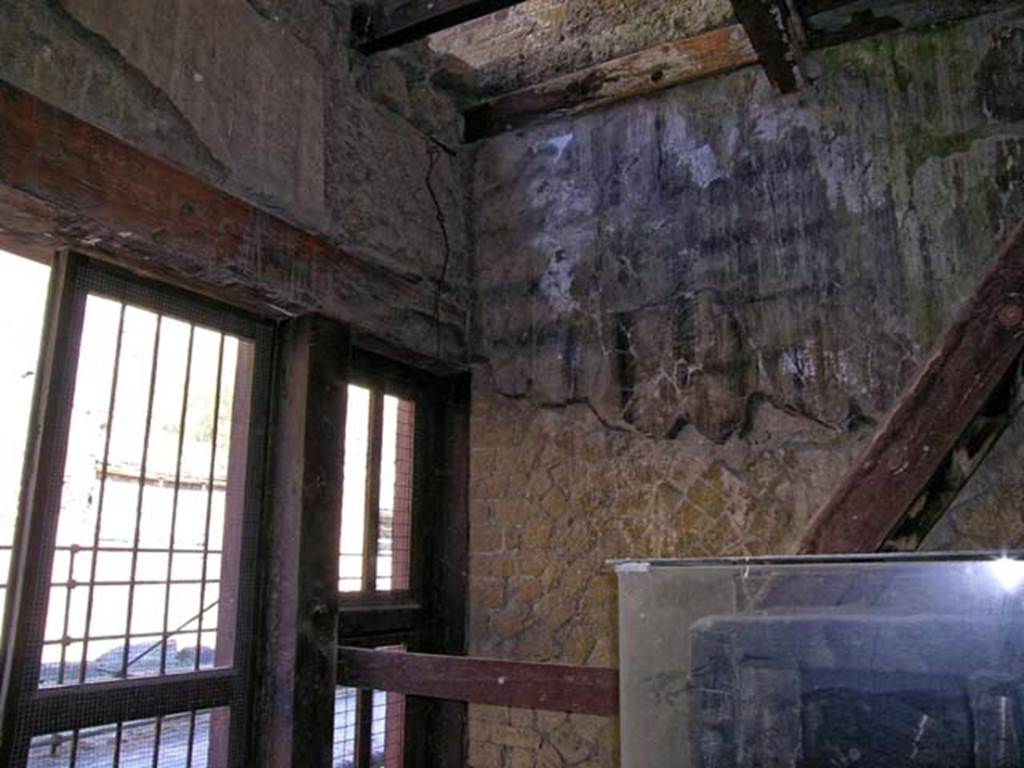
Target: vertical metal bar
[(73, 761), (177, 490), (158, 733), (191, 738), (139, 501), (371, 529), (364, 728), (117, 745), (39, 504), (64, 639), (111, 404), (209, 500)]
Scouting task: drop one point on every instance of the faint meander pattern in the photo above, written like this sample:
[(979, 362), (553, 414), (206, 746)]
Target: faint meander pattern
[(145, 572)]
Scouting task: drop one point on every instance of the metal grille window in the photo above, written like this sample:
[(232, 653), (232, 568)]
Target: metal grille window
[(185, 738), (135, 566), (379, 602), (369, 728), (376, 518)]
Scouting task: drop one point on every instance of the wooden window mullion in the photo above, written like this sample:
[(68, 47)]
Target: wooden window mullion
[(374, 449)]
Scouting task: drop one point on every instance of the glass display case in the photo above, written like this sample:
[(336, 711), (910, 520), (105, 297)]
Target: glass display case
[(876, 661)]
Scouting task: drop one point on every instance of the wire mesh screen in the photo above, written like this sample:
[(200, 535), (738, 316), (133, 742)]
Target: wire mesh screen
[(396, 468), (376, 716), (23, 286), (377, 499), (185, 740), (144, 576), (345, 706)]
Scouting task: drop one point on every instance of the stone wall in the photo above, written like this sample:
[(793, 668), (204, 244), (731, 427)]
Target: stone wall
[(266, 100), (694, 308)]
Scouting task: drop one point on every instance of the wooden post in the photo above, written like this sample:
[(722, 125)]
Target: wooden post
[(297, 701)]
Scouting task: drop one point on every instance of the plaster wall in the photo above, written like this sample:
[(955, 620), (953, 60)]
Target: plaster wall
[(266, 100), (693, 310)]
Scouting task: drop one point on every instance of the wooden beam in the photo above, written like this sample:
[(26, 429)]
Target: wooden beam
[(296, 718), (773, 29), (974, 358), (555, 687), (65, 183), (654, 69), (383, 24), (1003, 406)]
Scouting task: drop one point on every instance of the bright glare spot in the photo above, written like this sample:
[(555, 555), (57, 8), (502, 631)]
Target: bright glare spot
[(1009, 573)]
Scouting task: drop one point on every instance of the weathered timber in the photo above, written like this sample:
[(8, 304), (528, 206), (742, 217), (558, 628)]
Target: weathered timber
[(974, 357), (773, 31), (296, 718), (1003, 406), (555, 687), (382, 24), (65, 183), (665, 65)]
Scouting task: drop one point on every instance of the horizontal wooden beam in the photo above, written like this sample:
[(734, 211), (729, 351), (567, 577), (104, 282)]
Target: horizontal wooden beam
[(382, 24), (972, 360), (86, 706), (555, 687), (665, 65), (771, 26), (66, 183)]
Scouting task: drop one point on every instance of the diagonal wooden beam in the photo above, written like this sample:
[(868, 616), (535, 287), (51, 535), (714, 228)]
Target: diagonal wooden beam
[(381, 24), (774, 30), (650, 70), (977, 356)]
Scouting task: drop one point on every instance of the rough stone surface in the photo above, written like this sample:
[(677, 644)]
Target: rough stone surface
[(541, 39), (265, 100), (694, 308)]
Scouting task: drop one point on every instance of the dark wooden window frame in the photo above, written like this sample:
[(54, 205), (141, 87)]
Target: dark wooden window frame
[(430, 616), (27, 709)]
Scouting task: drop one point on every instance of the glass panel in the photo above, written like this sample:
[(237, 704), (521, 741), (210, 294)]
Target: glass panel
[(150, 522), (353, 507), (874, 661), (185, 740), (23, 286)]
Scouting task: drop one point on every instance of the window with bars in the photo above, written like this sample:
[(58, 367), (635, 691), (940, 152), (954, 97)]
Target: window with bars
[(128, 635), (375, 563)]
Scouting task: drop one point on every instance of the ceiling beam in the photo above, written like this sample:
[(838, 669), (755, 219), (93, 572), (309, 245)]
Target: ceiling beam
[(650, 70), (775, 30), (382, 24), (978, 355), (65, 183)]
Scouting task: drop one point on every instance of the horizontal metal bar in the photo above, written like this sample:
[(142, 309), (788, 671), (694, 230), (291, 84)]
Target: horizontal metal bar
[(75, 584), (556, 687), (92, 704)]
